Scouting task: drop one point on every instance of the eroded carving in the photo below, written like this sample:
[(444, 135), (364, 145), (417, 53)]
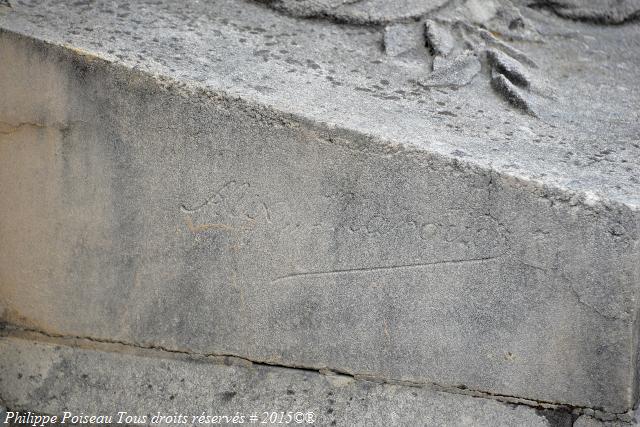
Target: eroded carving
[(465, 36), (357, 11), (604, 12)]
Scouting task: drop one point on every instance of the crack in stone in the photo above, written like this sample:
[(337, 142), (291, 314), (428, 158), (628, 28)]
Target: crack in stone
[(7, 128), (21, 332), (592, 307)]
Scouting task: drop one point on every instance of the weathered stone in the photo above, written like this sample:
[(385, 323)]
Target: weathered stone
[(455, 72), (587, 421), (402, 38), (510, 92), (509, 67), (357, 11), (610, 12), (438, 39), (207, 177), (51, 379)]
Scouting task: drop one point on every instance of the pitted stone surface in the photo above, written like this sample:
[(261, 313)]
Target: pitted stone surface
[(357, 11), (609, 12), (59, 378), (589, 137), (221, 177)]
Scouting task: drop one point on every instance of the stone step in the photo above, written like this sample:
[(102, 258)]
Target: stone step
[(56, 379), (222, 178)]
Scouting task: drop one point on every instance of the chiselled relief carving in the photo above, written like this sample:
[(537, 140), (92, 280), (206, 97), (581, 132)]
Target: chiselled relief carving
[(465, 37)]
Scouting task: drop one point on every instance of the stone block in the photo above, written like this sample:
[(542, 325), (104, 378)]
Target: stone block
[(196, 200)]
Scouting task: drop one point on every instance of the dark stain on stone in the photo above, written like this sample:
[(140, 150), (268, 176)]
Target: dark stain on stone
[(558, 417), (459, 153), (226, 396)]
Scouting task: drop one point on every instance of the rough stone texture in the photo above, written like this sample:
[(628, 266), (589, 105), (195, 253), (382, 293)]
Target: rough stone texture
[(208, 177), (589, 421), (357, 11), (438, 39), (402, 39), (49, 379), (456, 72), (599, 11)]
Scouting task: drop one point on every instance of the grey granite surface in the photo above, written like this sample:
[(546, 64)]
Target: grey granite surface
[(585, 139), (50, 379), (449, 198)]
